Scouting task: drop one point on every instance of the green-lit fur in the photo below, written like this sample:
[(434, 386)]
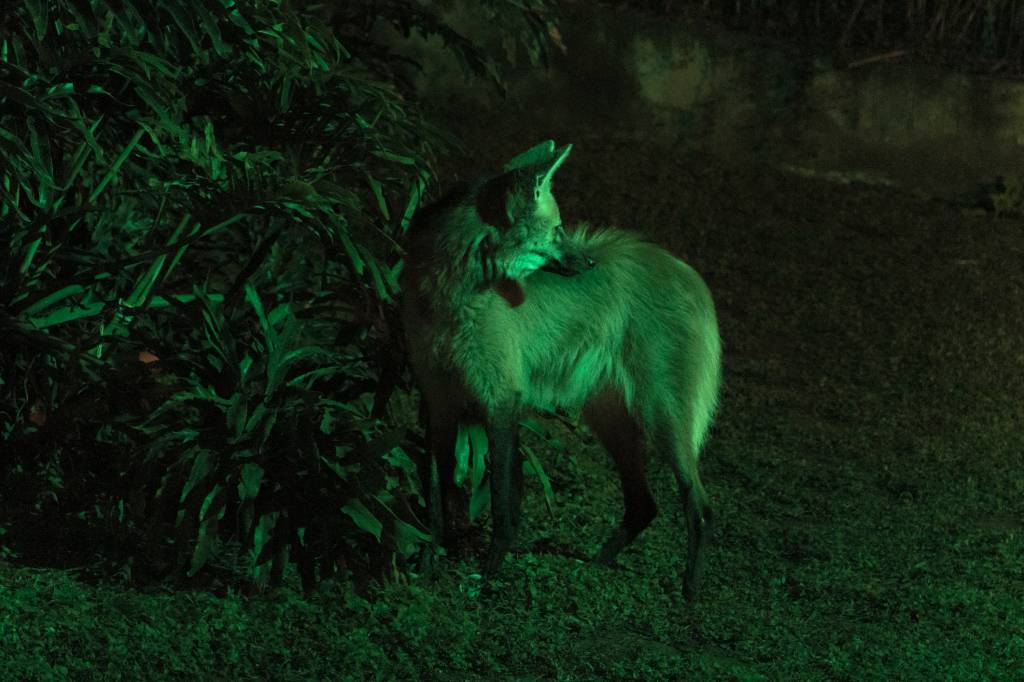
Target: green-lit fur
[(631, 341)]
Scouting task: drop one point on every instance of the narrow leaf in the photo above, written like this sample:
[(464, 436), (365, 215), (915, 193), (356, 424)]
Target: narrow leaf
[(125, 153), (397, 158), (545, 482), (47, 301), (353, 253), (378, 193), (415, 195)]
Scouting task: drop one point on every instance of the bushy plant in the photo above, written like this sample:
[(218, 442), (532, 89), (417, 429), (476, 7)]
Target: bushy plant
[(201, 202)]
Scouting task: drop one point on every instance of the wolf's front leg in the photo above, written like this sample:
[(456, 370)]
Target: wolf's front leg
[(436, 467), (506, 486)]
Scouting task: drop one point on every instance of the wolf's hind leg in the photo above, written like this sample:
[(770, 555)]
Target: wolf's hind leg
[(621, 436)]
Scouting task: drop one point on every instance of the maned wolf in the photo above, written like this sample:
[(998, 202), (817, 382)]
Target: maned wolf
[(504, 311)]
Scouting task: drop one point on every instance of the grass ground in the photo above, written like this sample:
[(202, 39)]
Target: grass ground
[(866, 472)]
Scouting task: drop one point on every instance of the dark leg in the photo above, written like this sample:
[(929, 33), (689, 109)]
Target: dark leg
[(444, 456), (621, 436), (435, 469), (698, 525), (516, 489), (506, 486), (674, 433)]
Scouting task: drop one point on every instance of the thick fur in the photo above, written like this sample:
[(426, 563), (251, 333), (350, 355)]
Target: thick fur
[(632, 342)]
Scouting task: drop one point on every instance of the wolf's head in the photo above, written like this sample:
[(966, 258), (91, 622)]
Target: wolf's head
[(519, 204)]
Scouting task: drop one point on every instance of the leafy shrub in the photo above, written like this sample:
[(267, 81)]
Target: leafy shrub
[(202, 200)]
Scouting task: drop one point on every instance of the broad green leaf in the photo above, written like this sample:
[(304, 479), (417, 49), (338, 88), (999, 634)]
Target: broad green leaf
[(208, 394), (262, 536), (279, 314), (37, 10), (236, 415), (479, 501), (408, 538), (167, 69), (253, 299), (305, 353), (85, 21), (364, 518), (342, 471), (285, 99), (268, 425), (174, 401), (180, 17), (238, 19), (202, 464), (60, 90), (244, 365), (204, 549), (384, 443), (478, 443), (212, 29), (213, 504), (399, 458), (249, 481)]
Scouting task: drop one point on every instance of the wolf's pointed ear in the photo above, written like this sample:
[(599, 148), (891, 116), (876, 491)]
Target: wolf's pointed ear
[(547, 170), (492, 200), (534, 156)]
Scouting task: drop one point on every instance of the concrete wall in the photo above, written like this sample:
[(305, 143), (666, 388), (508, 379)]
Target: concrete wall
[(695, 86)]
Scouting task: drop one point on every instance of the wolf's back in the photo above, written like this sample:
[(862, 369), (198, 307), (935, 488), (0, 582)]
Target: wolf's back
[(622, 323)]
